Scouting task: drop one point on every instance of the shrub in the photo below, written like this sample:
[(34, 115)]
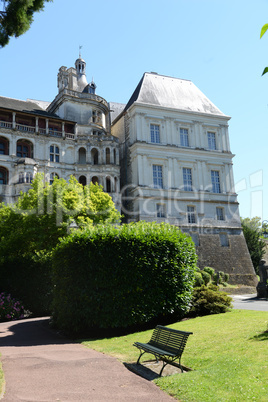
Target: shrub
[(108, 277), (209, 270), (206, 277), (198, 279), (10, 309), (28, 279), (209, 300)]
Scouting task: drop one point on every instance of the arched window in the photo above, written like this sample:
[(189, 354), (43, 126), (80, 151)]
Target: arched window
[(82, 156), (24, 149), (108, 156), (83, 180), (95, 180), (95, 156), (4, 145), (3, 175), (108, 185), (52, 177), (54, 152)]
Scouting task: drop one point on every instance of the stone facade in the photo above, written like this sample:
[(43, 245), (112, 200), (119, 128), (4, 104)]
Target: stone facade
[(176, 167), (69, 136)]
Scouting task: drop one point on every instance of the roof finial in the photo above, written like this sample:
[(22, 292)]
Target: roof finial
[(80, 47)]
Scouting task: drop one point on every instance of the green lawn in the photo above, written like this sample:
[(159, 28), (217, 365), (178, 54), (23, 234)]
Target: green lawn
[(227, 352), (2, 379)]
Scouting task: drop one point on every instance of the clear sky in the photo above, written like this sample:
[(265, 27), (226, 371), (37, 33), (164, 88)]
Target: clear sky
[(214, 43)]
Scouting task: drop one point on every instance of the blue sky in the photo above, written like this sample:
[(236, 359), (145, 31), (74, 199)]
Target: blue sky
[(214, 43)]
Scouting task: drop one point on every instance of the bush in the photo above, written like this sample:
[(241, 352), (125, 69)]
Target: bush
[(108, 277), (198, 279), (209, 270), (209, 300), (10, 309), (28, 279), (206, 277)]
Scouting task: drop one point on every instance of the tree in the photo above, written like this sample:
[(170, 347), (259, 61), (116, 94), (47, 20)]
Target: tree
[(256, 245), (263, 30), (17, 18), (32, 227)]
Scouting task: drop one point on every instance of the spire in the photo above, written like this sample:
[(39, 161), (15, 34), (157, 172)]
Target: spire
[(80, 47)]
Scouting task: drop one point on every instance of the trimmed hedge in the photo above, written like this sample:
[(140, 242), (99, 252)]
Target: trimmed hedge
[(118, 277)]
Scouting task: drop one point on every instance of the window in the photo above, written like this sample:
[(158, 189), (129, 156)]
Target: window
[(224, 241), (187, 179), (157, 176), (191, 214), (21, 178), (24, 149), (29, 177), (52, 177), (54, 153), (184, 139), (83, 180), (96, 117), (95, 156), (82, 156), (108, 154), (220, 214), (211, 141), (155, 133), (215, 180), (3, 175), (3, 146), (160, 210)]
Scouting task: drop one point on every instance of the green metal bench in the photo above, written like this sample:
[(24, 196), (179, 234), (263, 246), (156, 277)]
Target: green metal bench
[(166, 344)]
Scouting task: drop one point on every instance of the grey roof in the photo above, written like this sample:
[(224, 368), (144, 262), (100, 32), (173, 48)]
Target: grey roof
[(28, 106), (175, 93), (116, 109)]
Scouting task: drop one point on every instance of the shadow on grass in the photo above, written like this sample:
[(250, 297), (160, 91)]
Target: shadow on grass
[(261, 337)]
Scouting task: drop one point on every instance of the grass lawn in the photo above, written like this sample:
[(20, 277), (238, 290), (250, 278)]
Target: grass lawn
[(227, 352)]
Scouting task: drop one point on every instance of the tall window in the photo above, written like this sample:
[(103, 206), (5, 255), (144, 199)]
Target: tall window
[(211, 141), (54, 153), (184, 139), (52, 177), (3, 146), (155, 133), (96, 117), (24, 149), (220, 213), (191, 214), (157, 176), (187, 179), (160, 210), (215, 180), (3, 175), (29, 177)]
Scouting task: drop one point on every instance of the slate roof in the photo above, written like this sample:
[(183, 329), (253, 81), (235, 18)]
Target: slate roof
[(28, 106), (175, 93)]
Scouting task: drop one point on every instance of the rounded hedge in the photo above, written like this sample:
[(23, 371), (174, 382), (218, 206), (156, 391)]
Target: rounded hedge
[(115, 277)]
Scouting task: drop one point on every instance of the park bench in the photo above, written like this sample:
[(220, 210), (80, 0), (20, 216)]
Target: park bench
[(166, 344)]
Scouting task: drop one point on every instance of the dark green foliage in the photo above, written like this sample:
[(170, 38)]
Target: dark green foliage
[(209, 270), (29, 278), (209, 300), (198, 280), (206, 277), (256, 245), (108, 277), (17, 18)]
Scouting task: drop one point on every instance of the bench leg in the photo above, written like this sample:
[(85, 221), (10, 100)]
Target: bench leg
[(141, 353), (164, 365)]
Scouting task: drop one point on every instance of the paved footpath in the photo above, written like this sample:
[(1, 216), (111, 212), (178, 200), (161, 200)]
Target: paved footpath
[(39, 365)]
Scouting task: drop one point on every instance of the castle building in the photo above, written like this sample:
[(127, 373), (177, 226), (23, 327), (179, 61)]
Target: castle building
[(164, 156)]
